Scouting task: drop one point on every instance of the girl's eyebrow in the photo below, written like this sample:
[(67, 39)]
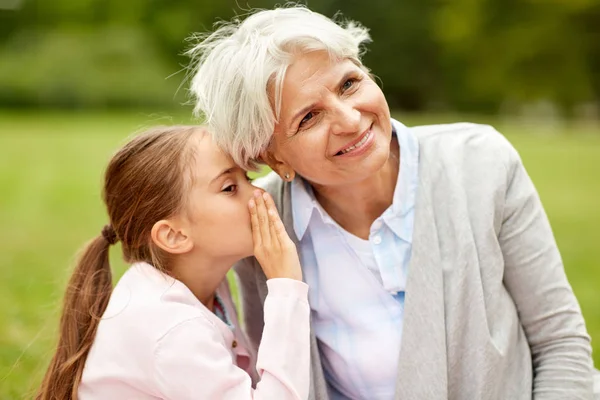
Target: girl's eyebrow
[(227, 170)]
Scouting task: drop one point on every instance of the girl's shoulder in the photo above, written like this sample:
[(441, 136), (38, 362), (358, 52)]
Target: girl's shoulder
[(146, 303), (151, 321)]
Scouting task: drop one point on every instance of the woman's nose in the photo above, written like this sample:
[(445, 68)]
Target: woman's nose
[(346, 119)]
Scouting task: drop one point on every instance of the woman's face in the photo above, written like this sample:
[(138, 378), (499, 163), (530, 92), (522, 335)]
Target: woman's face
[(334, 127)]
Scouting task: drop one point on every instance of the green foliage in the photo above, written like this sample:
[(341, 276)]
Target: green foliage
[(518, 50), (476, 55), (111, 66)]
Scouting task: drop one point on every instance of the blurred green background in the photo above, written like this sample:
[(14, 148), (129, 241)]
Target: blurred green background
[(78, 77)]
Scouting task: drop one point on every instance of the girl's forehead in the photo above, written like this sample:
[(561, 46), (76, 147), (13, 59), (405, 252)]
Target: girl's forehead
[(209, 159)]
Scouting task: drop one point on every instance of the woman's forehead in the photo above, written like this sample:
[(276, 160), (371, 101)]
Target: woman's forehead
[(311, 73), (315, 67)]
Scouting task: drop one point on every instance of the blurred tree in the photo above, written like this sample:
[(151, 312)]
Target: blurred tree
[(515, 50), (468, 55)]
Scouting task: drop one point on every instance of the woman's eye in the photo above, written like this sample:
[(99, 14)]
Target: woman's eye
[(348, 84), (306, 118), (230, 189)]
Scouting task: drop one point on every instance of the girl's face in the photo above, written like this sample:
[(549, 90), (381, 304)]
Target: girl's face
[(217, 205), (334, 127)]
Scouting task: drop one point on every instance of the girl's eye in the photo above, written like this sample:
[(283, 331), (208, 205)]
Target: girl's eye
[(306, 118), (230, 189)]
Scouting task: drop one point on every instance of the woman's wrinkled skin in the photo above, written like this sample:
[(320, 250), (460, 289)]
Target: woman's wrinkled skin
[(328, 106)]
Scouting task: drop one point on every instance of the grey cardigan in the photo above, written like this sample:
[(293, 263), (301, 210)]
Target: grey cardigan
[(489, 313)]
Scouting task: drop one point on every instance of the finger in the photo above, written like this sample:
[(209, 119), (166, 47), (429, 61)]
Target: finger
[(273, 216), (280, 233), (263, 218), (254, 223), (272, 232), (277, 229)]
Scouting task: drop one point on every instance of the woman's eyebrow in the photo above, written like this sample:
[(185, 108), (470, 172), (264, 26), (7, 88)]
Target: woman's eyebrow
[(302, 112), (306, 109), (345, 77)]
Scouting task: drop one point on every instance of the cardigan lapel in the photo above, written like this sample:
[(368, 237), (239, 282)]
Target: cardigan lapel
[(422, 368)]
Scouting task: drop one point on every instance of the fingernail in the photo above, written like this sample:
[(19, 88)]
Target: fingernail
[(251, 204), (265, 196), (257, 193)]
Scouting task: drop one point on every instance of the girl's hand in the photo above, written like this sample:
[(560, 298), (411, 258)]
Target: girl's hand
[(273, 248)]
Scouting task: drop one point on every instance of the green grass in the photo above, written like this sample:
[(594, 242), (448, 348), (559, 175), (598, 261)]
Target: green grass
[(51, 168)]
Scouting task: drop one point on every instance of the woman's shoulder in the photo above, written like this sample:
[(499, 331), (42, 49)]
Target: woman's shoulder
[(464, 144), (464, 135)]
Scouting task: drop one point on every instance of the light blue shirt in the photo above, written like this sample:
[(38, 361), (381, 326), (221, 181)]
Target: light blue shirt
[(357, 286)]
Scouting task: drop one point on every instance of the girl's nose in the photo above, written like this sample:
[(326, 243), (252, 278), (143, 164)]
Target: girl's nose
[(249, 190)]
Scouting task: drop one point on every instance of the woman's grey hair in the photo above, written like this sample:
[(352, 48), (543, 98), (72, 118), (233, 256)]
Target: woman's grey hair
[(237, 66)]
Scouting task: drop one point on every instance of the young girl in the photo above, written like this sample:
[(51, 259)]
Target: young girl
[(184, 214)]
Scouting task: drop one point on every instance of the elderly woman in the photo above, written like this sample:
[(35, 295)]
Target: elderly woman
[(432, 267)]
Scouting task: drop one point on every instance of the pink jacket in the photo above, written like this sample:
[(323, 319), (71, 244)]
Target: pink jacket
[(157, 341)]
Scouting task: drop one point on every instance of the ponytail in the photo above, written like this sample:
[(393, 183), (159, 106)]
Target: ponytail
[(85, 301), (144, 182)]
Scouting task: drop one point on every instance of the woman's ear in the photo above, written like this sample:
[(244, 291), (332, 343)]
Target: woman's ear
[(171, 237), (280, 167)]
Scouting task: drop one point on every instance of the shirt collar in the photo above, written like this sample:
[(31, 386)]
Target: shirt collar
[(304, 202), (404, 193), (303, 205), (406, 184)]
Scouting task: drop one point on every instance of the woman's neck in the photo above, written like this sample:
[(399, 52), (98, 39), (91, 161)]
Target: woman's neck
[(355, 207)]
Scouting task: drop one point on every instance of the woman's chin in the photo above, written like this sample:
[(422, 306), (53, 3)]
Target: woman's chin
[(372, 163)]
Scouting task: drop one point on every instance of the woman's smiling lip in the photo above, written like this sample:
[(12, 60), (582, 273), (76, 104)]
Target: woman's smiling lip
[(362, 146)]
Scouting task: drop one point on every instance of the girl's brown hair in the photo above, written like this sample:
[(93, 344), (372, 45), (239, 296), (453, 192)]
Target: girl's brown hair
[(144, 182)]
